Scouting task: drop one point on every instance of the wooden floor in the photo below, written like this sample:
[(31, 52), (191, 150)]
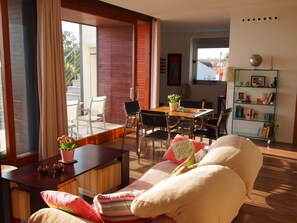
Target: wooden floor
[(274, 198)]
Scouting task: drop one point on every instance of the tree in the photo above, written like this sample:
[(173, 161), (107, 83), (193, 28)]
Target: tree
[(71, 57)]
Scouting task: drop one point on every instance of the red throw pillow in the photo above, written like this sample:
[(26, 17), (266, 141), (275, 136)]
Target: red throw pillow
[(181, 148), (71, 204)]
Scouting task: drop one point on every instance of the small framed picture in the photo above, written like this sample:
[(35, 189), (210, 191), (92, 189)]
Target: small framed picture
[(240, 97), (257, 81)]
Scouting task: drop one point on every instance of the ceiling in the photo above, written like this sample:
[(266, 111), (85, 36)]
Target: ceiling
[(193, 15), (88, 19)]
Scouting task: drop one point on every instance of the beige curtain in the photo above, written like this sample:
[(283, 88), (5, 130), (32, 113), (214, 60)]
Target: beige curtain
[(51, 79), (155, 65)]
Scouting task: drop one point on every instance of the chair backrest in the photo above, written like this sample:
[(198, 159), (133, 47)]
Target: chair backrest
[(72, 109), (207, 104), (196, 104), (154, 118), (131, 107), (223, 119), (191, 104), (97, 105)]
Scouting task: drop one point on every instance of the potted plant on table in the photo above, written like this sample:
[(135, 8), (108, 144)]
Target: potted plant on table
[(67, 146), (174, 102)]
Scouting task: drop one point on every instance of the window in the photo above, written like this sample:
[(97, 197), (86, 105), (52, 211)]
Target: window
[(210, 57), (22, 33), (211, 63), (2, 126)]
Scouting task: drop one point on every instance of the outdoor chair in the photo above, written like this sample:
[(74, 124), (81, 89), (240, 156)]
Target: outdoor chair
[(95, 113), (72, 116)]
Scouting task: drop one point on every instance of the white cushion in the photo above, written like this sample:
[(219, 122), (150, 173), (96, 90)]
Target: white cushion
[(201, 195), (239, 154), (158, 172), (50, 215)]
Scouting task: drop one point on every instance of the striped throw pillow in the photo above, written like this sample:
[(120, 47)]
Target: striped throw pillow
[(115, 207)]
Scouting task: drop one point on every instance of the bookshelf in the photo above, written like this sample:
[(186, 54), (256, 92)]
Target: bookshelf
[(255, 103)]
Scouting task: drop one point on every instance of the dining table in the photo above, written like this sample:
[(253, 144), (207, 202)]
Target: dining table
[(183, 114), (189, 114)]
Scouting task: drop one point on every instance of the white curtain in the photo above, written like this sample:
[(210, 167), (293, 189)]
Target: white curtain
[(51, 78), (155, 69)]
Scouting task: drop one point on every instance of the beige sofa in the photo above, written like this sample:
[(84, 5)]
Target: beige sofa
[(211, 193)]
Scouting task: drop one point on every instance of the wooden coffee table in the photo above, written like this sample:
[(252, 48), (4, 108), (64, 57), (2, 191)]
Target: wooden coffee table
[(88, 157)]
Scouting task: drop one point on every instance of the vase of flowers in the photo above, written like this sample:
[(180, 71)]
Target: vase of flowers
[(174, 100), (67, 145)]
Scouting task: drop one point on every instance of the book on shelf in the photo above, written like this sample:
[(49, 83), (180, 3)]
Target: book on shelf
[(268, 98), (248, 113), (238, 112), (271, 98), (245, 113), (268, 117), (265, 98), (266, 131)]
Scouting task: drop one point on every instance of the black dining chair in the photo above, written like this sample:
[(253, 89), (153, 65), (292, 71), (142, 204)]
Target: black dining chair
[(131, 109), (161, 130), (191, 104), (184, 124), (213, 128)]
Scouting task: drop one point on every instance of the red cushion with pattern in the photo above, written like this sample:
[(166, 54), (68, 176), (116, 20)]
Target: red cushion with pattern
[(181, 148)]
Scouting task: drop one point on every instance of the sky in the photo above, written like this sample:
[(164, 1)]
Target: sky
[(73, 27), (212, 53)]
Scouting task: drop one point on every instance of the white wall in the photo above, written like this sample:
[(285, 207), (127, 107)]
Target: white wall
[(277, 38), (181, 43)]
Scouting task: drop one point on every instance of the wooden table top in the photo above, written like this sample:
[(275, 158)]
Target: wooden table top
[(189, 113), (88, 157)]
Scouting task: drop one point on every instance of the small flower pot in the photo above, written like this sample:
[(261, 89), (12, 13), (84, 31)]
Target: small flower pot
[(174, 106), (67, 156)]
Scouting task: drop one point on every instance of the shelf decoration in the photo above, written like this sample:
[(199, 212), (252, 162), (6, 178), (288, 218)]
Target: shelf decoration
[(255, 60), (258, 81)]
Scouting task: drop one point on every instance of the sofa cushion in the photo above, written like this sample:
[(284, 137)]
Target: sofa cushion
[(200, 195), (115, 207), (155, 174), (200, 155), (72, 204), (181, 148), (239, 154), (190, 163), (53, 215), (184, 167)]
